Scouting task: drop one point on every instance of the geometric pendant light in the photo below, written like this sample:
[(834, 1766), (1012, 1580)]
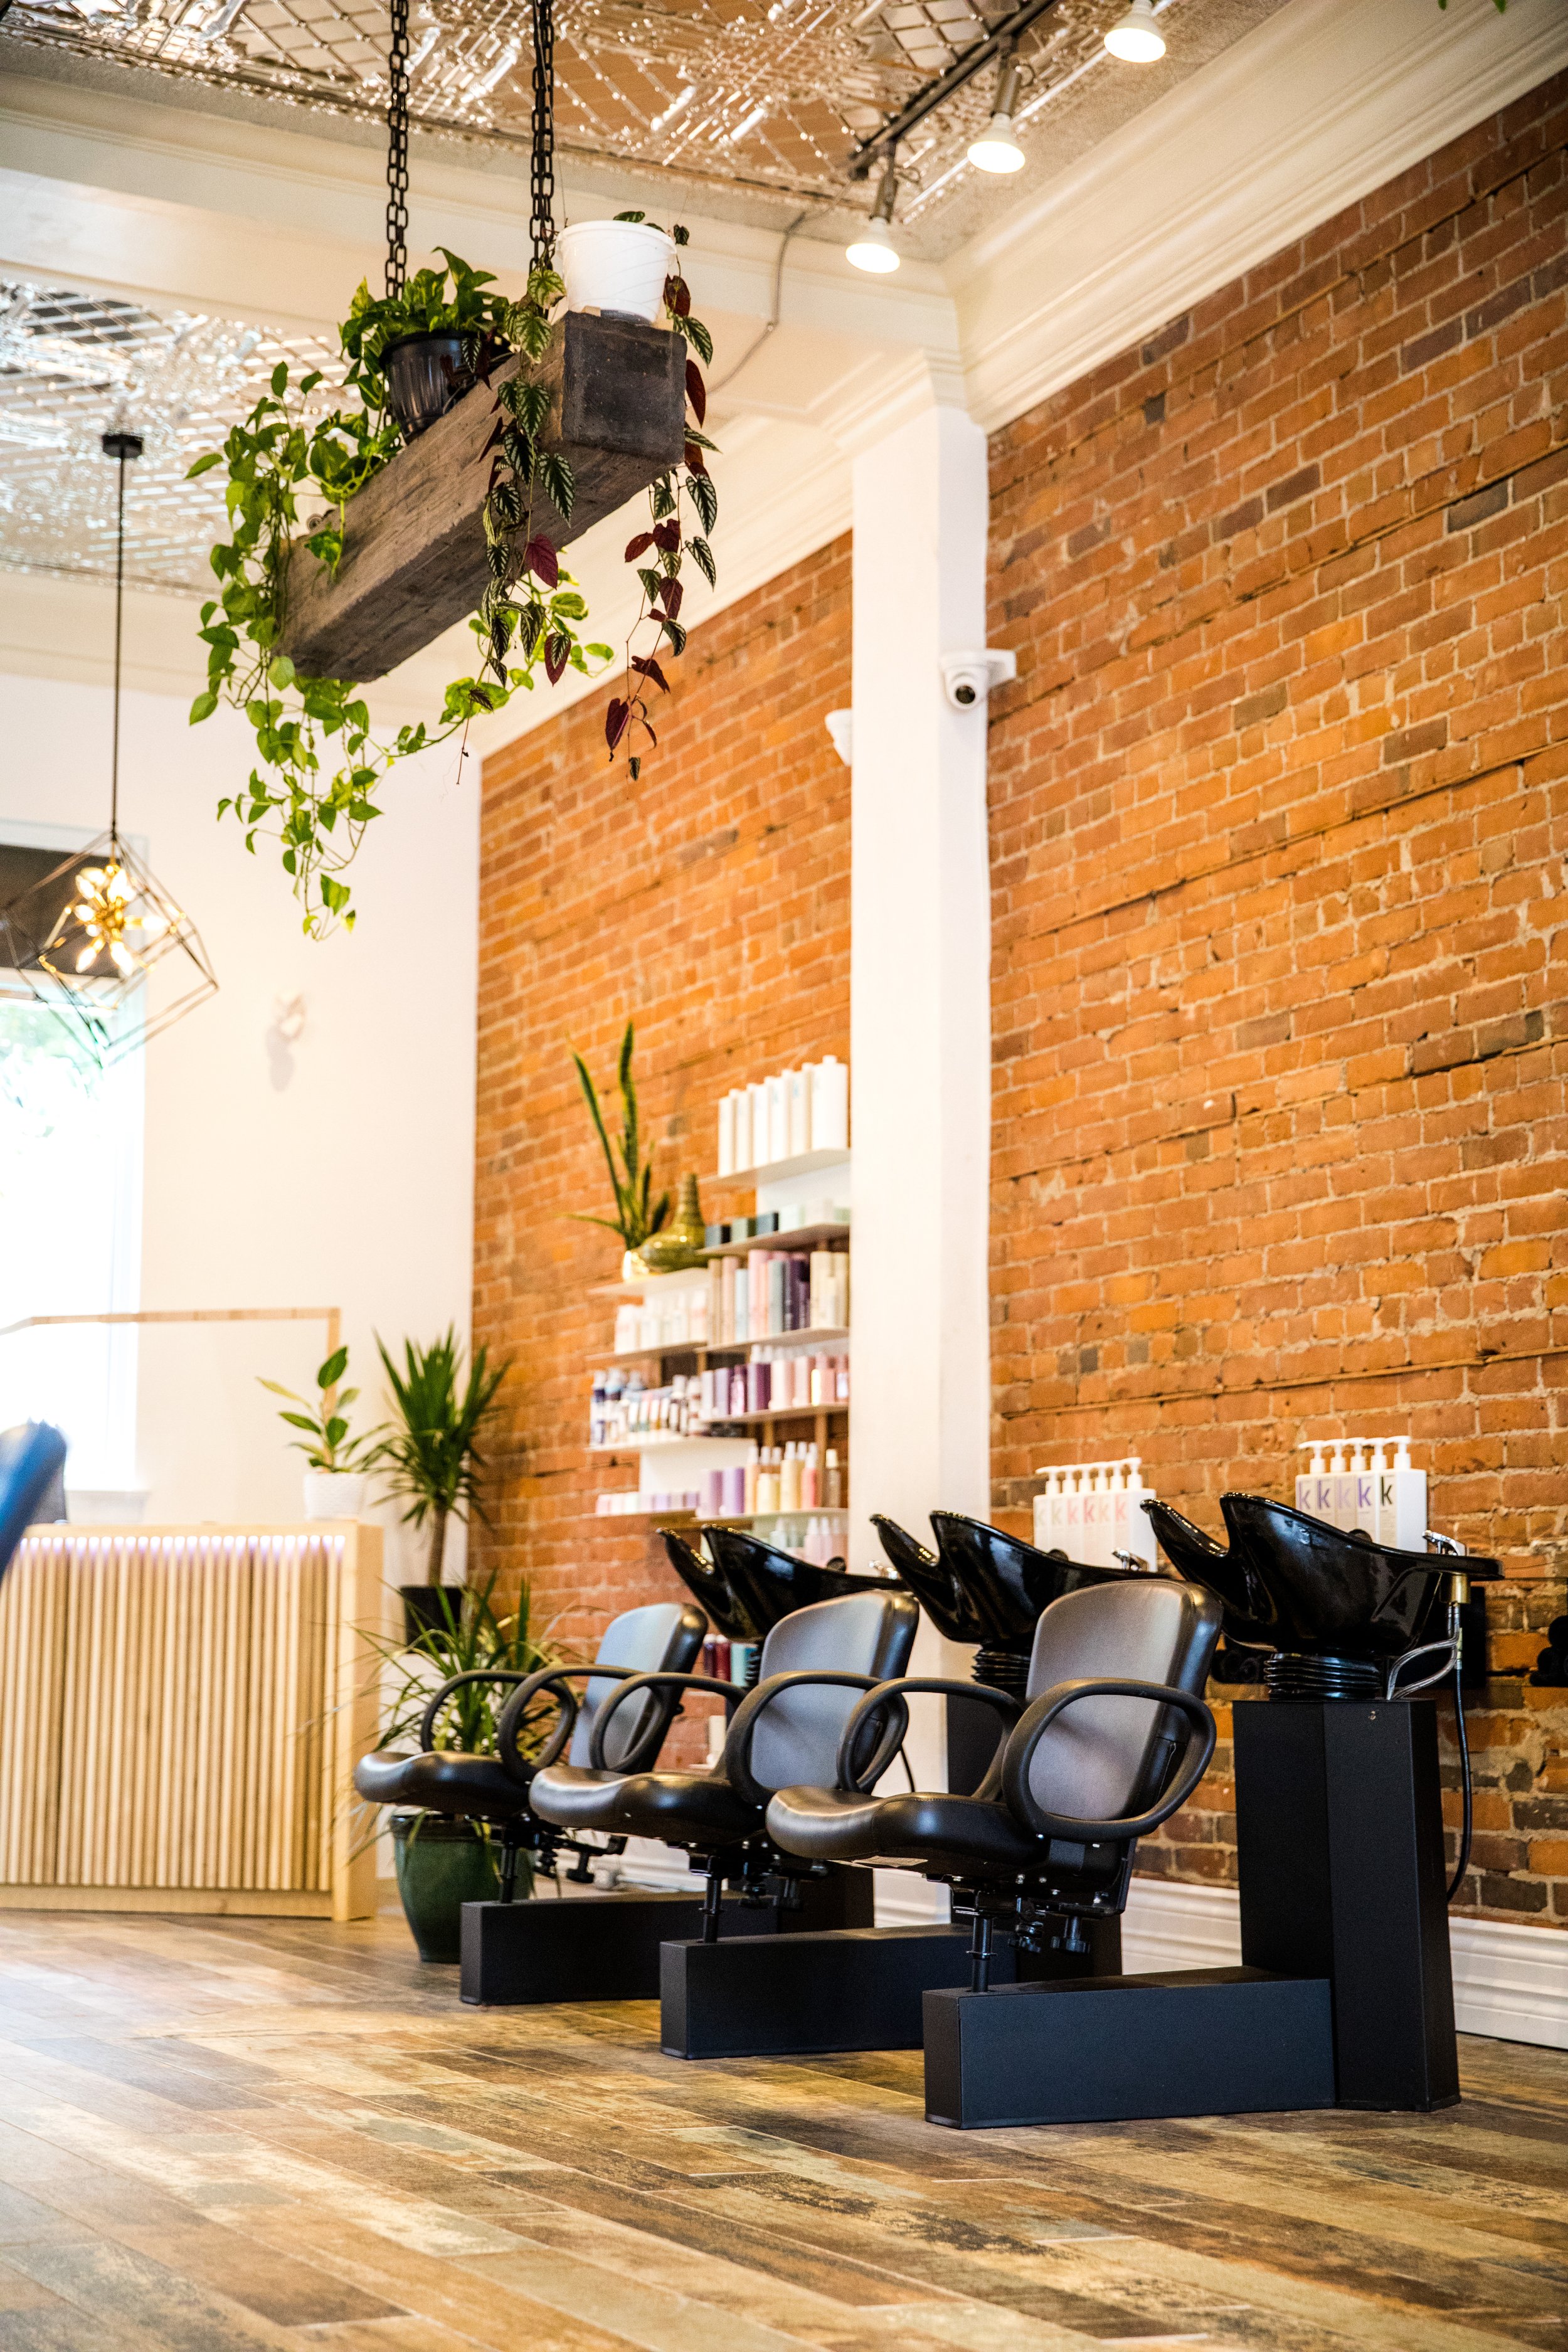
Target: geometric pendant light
[(86, 935)]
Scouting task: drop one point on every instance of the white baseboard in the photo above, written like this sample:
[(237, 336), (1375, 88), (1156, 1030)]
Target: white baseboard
[(1510, 1983)]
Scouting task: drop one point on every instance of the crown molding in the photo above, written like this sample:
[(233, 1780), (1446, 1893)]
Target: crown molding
[(1323, 102)]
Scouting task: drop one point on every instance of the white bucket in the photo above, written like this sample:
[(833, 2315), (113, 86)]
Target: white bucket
[(615, 266)]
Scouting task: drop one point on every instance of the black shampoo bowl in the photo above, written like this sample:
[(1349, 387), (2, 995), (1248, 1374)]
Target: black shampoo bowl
[(985, 1586), (1197, 1559), (1342, 1609)]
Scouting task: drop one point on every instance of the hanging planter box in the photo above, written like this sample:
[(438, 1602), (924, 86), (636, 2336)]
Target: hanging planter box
[(413, 546)]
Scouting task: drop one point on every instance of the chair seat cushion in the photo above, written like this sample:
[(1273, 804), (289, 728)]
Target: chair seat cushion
[(445, 1781), (827, 1825), (695, 1809)]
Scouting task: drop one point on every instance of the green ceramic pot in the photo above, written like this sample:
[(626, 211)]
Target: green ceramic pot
[(442, 1864)]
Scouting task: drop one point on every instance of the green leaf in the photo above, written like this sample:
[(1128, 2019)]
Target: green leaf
[(203, 708), (279, 379), (280, 671), (203, 464)]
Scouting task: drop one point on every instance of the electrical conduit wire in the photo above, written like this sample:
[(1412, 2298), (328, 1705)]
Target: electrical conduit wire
[(772, 319), (397, 153), (1468, 1823)]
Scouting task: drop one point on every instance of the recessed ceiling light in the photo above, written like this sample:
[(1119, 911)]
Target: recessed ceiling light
[(1136, 38)]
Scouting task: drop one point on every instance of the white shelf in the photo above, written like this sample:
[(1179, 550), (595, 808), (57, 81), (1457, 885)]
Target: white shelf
[(722, 1420), (804, 1163), (826, 1333), (659, 1440), (795, 1237)]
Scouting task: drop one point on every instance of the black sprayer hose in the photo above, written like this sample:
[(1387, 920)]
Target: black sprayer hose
[(1462, 1864)]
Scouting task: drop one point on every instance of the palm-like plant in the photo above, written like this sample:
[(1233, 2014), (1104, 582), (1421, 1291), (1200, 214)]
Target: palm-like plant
[(637, 1214), (432, 1450)]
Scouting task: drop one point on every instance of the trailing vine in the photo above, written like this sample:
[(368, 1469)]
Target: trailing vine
[(626, 722), (320, 762)]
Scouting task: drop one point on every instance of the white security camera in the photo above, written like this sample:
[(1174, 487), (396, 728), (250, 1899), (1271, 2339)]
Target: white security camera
[(968, 677)]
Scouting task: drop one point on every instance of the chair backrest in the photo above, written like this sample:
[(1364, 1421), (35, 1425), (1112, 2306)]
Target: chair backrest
[(1107, 1756), (795, 1744), (663, 1638), (32, 1458)]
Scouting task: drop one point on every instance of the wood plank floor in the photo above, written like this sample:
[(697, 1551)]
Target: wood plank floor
[(217, 2136)]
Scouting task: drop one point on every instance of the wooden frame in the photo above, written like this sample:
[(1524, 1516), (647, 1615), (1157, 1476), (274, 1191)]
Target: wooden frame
[(415, 557)]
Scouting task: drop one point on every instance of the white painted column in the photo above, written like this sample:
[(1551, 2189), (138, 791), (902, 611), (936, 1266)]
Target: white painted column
[(921, 995)]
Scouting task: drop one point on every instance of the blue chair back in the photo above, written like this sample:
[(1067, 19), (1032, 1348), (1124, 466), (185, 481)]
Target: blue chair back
[(32, 1459)]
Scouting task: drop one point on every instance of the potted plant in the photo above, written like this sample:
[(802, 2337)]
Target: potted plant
[(415, 353), (616, 266), (441, 1862), (639, 1216), (335, 1480), (431, 1450)]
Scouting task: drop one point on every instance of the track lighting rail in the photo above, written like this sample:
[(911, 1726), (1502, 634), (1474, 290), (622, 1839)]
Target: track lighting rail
[(980, 54)]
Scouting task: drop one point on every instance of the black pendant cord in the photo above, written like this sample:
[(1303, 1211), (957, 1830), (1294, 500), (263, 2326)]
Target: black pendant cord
[(397, 153), (123, 445), (119, 619), (542, 162)]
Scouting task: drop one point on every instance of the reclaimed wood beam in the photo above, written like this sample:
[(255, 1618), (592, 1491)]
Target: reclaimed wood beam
[(414, 541)]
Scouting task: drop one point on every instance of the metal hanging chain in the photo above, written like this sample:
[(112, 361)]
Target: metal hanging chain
[(397, 153), (541, 165)]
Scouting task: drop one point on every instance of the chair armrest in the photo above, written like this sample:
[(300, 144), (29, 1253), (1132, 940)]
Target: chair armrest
[(889, 1697), (635, 1759), (455, 1683), (558, 1681), (1036, 1721), (738, 1745)]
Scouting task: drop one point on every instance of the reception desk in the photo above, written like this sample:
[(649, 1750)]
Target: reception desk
[(181, 1711)]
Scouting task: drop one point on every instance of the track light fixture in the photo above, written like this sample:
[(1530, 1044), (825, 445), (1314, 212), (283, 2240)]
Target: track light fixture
[(1136, 38), (996, 150), (874, 248)]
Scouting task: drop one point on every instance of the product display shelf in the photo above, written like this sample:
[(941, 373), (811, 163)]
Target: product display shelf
[(706, 1351), (838, 1409), (778, 1172), (792, 1237)]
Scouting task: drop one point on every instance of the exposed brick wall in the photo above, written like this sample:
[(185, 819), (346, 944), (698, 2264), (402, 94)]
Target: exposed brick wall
[(710, 903), (1279, 822)]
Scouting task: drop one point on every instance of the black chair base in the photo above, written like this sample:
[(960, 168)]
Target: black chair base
[(1198, 2042), (1338, 1825), (809, 1995), (606, 1947)]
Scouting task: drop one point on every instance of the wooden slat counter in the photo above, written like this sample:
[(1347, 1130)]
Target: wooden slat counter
[(181, 1711)]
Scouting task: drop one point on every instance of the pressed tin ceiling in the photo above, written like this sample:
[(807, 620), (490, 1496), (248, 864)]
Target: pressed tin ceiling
[(767, 99)]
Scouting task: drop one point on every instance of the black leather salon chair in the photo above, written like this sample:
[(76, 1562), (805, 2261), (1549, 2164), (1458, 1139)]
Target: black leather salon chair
[(664, 1638), (814, 1663), (1114, 1739), (32, 1468)]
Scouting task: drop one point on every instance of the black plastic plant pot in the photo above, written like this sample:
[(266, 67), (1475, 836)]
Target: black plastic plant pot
[(429, 1609), (425, 375)]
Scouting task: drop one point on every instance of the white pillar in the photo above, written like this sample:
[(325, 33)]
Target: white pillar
[(920, 992)]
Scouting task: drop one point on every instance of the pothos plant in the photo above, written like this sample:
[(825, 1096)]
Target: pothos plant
[(660, 551)]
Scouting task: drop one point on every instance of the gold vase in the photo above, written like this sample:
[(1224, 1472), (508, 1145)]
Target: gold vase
[(681, 1243)]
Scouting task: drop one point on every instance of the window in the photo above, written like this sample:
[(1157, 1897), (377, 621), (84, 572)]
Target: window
[(70, 1229)]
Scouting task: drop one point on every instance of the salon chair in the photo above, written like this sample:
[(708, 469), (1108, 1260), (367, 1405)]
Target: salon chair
[(1111, 1738), (986, 1587), (534, 1951), (32, 1468), (821, 1984)]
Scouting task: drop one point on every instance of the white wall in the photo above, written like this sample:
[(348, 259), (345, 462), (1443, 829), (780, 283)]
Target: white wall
[(338, 1172)]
